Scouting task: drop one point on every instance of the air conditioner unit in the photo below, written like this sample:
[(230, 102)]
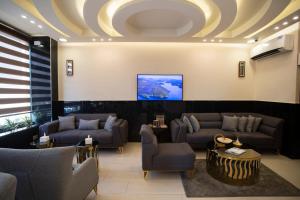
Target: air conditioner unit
[(275, 46)]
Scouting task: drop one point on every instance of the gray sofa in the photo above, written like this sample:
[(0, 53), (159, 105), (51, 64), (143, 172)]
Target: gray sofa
[(268, 136), (48, 174), (8, 185), (166, 156), (117, 138)]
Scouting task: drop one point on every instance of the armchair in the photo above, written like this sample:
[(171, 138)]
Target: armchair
[(47, 174)]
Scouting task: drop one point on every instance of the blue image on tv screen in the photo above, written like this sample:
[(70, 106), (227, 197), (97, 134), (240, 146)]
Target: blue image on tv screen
[(159, 87)]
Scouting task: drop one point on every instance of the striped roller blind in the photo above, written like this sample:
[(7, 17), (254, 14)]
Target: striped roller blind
[(41, 82), (14, 75)]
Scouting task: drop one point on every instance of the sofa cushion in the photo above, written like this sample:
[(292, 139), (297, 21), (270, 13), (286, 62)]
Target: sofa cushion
[(88, 124), (66, 123), (230, 123), (203, 136), (187, 122), (250, 123), (257, 122), (174, 156), (195, 123), (207, 120), (242, 123), (73, 137), (109, 123)]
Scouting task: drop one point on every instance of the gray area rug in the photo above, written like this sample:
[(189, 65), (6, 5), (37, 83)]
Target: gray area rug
[(203, 185)]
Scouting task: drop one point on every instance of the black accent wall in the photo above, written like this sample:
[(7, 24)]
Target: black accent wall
[(139, 112)]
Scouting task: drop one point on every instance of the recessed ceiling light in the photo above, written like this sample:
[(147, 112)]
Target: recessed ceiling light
[(40, 26), (296, 17), (212, 40), (276, 27), (285, 23), (109, 39), (204, 40), (31, 21), (93, 39), (24, 16), (251, 41), (102, 40), (220, 40), (62, 39)]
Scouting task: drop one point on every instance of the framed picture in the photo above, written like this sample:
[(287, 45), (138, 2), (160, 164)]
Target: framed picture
[(242, 70), (69, 67)]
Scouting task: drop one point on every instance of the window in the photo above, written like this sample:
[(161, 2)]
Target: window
[(14, 79)]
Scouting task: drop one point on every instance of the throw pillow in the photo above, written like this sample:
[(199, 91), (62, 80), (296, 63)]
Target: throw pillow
[(250, 123), (88, 124), (188, 123), (230, 123), (256, 124), (109, 123), (66, 123), (242, 123), (195, 123)]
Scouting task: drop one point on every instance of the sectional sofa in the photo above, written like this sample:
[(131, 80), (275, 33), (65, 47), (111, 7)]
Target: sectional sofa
[(116, 138), (267, 137)]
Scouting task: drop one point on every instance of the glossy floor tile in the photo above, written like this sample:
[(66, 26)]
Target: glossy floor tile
[(121, 177)]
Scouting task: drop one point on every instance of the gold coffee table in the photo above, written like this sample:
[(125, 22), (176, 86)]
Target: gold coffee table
[(233, 169), (86, 151)]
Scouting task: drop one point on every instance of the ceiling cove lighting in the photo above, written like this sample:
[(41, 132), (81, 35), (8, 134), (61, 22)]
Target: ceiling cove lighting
[(32, 21), (276, 27), (285, 23), (296, 17), (62, 40), (24, 16)]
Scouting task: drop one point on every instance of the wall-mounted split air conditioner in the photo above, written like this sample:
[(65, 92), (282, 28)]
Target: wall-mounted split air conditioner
[(275, 46)]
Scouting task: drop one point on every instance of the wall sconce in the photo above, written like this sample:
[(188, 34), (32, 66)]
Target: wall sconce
[(242, 69), (69, 67)]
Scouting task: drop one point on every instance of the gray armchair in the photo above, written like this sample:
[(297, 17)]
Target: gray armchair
[(8, 185), (48, 174), (165, 156)]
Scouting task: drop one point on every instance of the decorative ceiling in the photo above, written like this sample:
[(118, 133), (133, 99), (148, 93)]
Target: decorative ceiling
[(213, 21)]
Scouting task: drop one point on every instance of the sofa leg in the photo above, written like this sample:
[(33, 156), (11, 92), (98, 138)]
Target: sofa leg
[(145, 174), (121, 149), (95, 189), (190, 173)]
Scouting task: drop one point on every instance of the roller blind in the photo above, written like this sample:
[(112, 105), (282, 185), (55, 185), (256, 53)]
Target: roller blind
[(14, 75)]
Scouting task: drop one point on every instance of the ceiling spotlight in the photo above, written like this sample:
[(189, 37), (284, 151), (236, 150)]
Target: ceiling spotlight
[(204, 40), (296, 17), (62, 40), (109, 39), (31, 21), (102, 40), (40, 26), (220, 40), (251, 41), (94, 40), (212, 40), (276, 27), (24, 16), (285, 23)]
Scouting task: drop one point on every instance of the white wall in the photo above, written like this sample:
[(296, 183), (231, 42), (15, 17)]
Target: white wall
[(276, 77), (107, 71)]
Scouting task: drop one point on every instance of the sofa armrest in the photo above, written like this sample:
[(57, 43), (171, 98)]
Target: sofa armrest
[(49, 127), (120, 132), (85, 178), (178, 131)]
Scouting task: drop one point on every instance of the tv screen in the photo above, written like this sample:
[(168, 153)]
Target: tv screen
[(159, 87)]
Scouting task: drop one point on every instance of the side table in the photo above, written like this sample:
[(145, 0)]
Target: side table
[(41, 145), (86, 151), (162, 133)]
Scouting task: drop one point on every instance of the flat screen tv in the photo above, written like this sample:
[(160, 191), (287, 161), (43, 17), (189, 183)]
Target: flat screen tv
[(159, 87)]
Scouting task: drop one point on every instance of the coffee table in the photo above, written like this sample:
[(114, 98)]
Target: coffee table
[(86, 151), (233, 169), (42, 145)]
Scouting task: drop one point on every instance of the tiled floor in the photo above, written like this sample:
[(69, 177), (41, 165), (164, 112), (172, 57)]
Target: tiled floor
[(121, 177)]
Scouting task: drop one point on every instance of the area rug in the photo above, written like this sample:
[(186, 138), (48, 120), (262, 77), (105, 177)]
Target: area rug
[(203, 185)]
